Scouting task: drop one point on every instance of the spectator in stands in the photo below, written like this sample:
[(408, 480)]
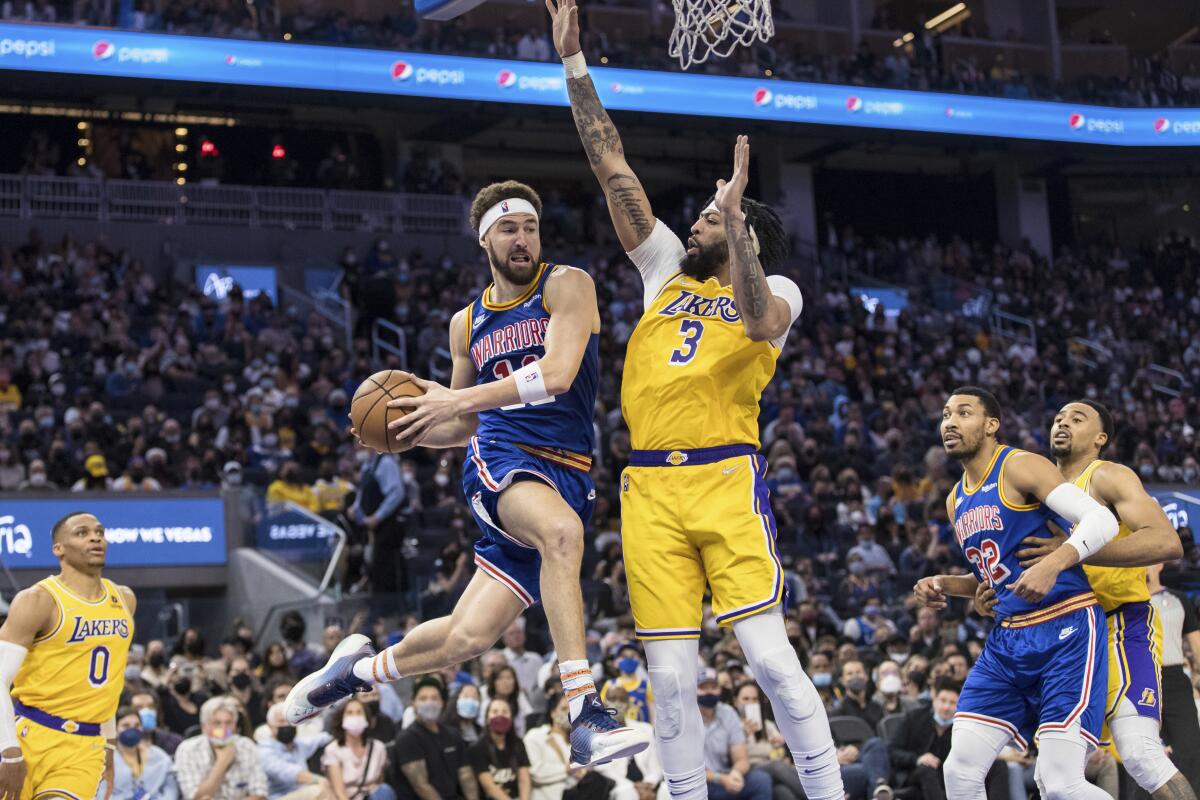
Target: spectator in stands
[(632, 678), (97, 478), (463, 714), (889, 689), (921, 742), (356, 762), (503, 685), (765, 745), (10, 393), (871, 626), (12, 471), (855, 701), (302, 659), (284, 758), (549, 749), (331, 490), (727, 766), (432, 758), (135, 479), (498, 758), (926, 635), (37, 479), (245, 689), (147, 707), (155, 668), (219, 763), (181, 699), (274, 664), (289, 488), (377, 509), (525, 663), (140, 769)]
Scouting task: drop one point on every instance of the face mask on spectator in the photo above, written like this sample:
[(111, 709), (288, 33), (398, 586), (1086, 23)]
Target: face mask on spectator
[(890, 684), (871, 610), (286, 734), (229, 388), (155, 659), (899, 657), (822, 679), (468, 707), (855, 685), (628, 665), (221, 737), (441, 479), (500, 724), (212, 403), (942, 721), (37, 479), (429, 710), (133, 672), (858, 568), (149, 718), (183, 686), (130, 737), (354, 724), (240, 681), (46, 422), (708, 700)]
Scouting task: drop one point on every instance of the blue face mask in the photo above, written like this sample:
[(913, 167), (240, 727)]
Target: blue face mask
[(149, 718), (130, 737), (708, 700), (942, 722), (822, 679), (628, 665), (468, 707)]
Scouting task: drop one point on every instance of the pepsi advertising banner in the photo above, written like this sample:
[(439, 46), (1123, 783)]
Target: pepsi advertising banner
[(141, 531), (122, 54)]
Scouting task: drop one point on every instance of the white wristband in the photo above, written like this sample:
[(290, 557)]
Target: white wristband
[(531, 387), (575, 65), (13, 760)]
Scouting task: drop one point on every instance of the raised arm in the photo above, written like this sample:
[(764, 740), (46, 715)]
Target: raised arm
[(627, 201), (765, 315), (570, 297)]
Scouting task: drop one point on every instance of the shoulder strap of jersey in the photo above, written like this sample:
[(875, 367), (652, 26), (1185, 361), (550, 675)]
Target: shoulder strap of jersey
[(115, 591), (1084, 481), (954, 499), (1008, 452), (50, 585)]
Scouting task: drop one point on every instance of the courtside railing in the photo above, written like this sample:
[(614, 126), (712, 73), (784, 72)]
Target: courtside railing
[(51, 197)]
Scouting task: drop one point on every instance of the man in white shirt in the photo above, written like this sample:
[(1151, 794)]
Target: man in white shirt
[(524, 662)]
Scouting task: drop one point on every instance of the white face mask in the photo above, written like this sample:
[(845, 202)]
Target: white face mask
[(890, 684), (355, 724)]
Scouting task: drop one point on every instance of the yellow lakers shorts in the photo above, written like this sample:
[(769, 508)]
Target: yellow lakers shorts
[(1135, 642), (691, 517), (59, 764)]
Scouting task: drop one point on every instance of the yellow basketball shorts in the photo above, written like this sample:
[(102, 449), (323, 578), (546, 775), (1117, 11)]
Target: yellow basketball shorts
[(59, 764), (691, 517)]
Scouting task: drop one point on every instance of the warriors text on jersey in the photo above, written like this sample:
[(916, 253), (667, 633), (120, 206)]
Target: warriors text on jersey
[(77, 670), (990, 529), (502, 338)]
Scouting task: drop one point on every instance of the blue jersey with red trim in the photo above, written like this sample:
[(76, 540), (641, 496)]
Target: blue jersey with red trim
[(990, 529), (502, 338)]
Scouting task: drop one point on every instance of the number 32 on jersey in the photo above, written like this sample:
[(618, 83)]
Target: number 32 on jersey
[(986, 559)]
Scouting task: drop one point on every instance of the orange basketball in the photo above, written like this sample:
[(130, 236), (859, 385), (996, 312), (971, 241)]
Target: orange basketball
[(369, 412)]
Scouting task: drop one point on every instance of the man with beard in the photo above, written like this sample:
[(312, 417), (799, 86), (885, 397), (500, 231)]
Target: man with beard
[(1041, 673), (1081, 432), (521, 398), (695, 506)]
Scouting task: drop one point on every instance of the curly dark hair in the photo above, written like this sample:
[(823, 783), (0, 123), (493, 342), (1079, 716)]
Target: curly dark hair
[(773, 242), (495, 192)]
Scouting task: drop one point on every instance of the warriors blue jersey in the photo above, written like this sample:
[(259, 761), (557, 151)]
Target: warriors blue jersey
[(502, 338), (989, 529)]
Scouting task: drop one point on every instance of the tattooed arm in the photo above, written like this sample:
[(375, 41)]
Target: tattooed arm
[(766, 316), (627, 201)]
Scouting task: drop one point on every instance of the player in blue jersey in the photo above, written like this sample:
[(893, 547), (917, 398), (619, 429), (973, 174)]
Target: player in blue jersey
[(1043, 670), (521, 398)]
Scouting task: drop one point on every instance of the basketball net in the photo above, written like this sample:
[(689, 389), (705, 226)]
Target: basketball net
[(715, 27)]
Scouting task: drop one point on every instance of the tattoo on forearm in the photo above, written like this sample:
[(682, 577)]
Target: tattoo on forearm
[(596, 130), (749, 281), (1177, 788), (625, 193)]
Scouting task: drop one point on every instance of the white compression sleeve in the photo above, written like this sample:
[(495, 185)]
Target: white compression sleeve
[(678, 727), (1095, 525), (973, 749), (11, 657), (1062, 759)]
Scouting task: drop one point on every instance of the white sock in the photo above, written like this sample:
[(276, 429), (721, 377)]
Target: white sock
[(380, 669), (577, 683)]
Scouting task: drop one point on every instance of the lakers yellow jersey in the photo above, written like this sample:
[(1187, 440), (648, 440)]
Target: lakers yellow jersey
[(1114, 586), (693, 378), (77, 670)]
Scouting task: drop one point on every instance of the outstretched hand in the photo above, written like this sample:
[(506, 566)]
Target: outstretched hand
[(565, 16), (729, 193)]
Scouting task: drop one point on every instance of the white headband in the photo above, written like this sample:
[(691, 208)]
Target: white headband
[(712, 209), (513, 205)]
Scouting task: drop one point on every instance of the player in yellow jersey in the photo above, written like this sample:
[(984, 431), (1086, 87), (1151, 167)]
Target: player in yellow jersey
[(62, 651), (695, 509), (1117, 573)]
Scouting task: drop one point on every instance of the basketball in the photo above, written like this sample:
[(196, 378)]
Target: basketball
[(369, 412)]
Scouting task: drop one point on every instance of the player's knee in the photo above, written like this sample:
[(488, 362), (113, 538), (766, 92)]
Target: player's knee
[(790, 690), (668, 703), (961, 774), (562, 538), (1143, 755)]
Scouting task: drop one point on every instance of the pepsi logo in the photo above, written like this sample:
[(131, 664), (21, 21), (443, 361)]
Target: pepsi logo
[(506, 78), (1077, 121), (762, 96), (854, 103), (402, 71), (1162, 125), (103, 50)]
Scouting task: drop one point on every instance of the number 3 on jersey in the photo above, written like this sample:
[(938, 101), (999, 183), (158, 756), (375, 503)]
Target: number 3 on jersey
[(691, 330), (986, 559), (504, 368)]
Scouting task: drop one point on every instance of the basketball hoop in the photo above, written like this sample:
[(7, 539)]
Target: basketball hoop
[(708, 27)]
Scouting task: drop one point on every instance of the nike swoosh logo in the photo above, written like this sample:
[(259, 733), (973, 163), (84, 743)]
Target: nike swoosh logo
[(727, 471)]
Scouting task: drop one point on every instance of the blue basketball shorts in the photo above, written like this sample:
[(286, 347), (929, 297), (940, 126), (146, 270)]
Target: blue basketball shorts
[(1042, 671), (490, 468)]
